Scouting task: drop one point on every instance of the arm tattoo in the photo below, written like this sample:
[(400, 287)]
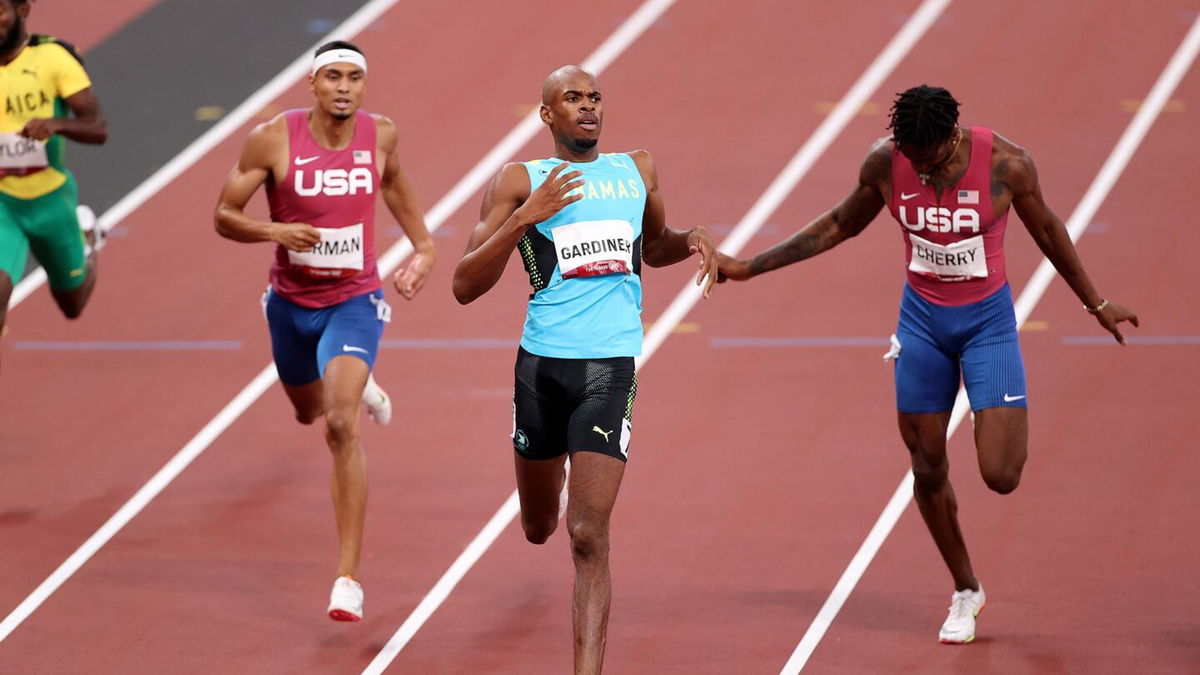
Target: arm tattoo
[(798, 247)]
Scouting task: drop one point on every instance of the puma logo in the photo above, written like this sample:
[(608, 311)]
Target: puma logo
[(602, 433)]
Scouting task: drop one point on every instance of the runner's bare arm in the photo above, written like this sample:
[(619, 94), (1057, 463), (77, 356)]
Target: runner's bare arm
[(87, 125), (508, 210), (252, 169), (401, 200), (662, 245), (1019, 174), (850, 217)]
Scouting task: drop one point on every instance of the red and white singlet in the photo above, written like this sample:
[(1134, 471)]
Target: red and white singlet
[(954, 247), (334, 191)]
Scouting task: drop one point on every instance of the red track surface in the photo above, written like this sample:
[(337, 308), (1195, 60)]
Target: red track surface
[(755, 473)]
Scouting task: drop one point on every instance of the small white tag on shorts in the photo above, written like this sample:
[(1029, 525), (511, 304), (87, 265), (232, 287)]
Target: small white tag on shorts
[(263, 301), (893, 351), (594, 247), (383, 311), (18, 152), (338, 254), (959, 261)]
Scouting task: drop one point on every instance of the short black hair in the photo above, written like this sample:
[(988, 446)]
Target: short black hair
[(923, 116), (336, 44)]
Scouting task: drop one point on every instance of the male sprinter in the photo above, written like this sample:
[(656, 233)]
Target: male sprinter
[(323, 167), (950, 188), (583, 222), (43, 84)]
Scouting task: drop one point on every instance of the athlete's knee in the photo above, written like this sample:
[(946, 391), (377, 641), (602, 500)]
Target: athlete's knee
[(308, 416), (72, 310), (341, 426), (1003, 480), (589, 540), (71, 303), (538, 530), (929, 477)]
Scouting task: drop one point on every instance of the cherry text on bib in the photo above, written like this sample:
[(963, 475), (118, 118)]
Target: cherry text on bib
[(595, 247), (339, 254), (959, 261)]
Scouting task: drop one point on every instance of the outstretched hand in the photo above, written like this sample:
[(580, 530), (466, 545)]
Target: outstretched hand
[(730, 268), (699, 242), (1112, 315)]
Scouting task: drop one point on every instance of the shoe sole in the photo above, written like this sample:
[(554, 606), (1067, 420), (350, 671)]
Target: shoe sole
[(343, 615)]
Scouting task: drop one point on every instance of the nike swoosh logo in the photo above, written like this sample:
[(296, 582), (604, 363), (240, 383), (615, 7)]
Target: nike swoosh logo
[(905, 196), (306, 160), (1010, 399), (348, 348)]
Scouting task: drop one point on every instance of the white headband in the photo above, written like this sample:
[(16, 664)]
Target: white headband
[(338, 56)]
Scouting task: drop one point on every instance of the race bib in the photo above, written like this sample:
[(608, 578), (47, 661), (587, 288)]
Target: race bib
[(338, 255), (21, 155), (594, 247), (959, 261)]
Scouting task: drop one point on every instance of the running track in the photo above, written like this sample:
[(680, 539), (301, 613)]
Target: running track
[(756, 471)]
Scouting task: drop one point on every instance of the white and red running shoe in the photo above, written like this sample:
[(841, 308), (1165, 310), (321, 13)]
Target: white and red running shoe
[(346, 600)]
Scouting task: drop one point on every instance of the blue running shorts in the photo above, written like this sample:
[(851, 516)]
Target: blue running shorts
[(940, 343), (304, 340)]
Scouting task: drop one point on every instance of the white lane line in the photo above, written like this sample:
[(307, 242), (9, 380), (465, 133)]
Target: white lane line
[(451, 202), (1078, 222), (766, 204), (216, 134)]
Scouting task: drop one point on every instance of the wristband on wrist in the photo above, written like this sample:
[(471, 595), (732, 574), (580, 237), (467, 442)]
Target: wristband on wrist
[(1098, 308)]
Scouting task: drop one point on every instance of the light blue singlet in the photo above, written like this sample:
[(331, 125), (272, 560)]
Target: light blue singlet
[(595, 311)]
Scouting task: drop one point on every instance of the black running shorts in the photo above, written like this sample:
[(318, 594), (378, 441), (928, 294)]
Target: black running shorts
[(568, 405)]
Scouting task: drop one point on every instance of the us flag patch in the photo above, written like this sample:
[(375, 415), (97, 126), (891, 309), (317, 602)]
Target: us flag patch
[(968, 196), (364, 157)]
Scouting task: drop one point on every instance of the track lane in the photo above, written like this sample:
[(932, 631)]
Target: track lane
[(265, 485), (234, 311), (1037, 560), (515, 606)]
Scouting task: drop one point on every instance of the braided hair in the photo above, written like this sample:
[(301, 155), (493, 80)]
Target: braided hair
[(923, 116)]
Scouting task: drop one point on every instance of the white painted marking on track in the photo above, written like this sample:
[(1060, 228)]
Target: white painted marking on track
[(216, 135), (1176, 68), (664, 325), (474, 180)]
